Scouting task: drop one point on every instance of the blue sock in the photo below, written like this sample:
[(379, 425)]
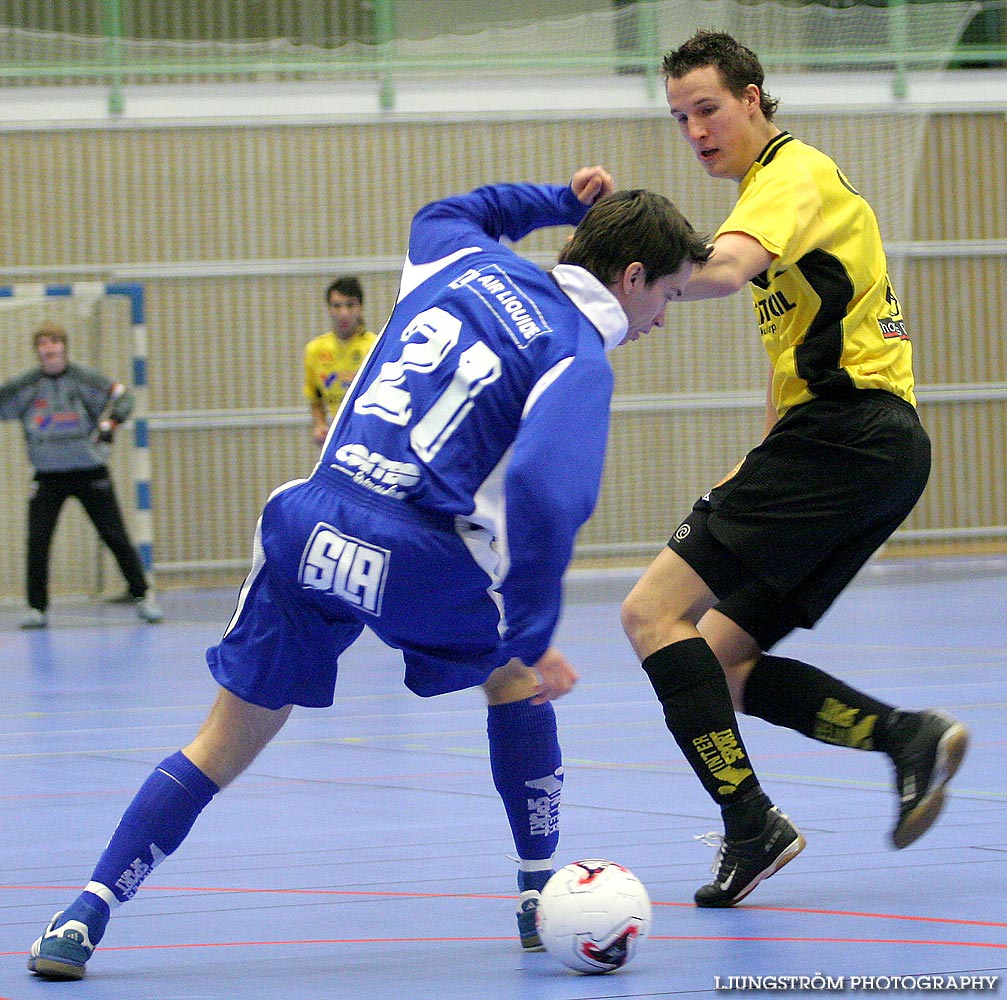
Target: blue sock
[(154, 824), (527, 770), (534, 879)]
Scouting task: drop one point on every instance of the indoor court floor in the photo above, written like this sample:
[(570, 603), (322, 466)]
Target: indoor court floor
[(364, 855)]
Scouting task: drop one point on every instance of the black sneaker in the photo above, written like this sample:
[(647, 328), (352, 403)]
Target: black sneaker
[(740, 865), (927, 749)]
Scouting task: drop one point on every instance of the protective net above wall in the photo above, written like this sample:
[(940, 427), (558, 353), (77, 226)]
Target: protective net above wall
[(617, 38)]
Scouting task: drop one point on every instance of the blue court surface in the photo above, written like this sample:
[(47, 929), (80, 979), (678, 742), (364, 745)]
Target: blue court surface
[(365, 853)]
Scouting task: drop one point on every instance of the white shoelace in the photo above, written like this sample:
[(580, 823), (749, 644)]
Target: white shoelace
[(712, 839)]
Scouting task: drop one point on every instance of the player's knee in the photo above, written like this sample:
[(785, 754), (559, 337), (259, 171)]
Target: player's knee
[(232, 736), (651, 623), (641, 617), (631, 615)]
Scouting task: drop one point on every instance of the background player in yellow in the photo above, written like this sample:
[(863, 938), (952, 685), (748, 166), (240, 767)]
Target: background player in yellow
[(842, 462), (332, 359)]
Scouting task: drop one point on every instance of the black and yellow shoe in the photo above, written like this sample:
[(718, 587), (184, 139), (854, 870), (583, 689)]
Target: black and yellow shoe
[(741, 865), (927, 749)]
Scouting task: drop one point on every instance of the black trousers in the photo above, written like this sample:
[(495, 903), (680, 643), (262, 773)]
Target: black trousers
[(94, 489)]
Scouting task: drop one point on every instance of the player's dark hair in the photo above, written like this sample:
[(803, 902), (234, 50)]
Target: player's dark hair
[(738, 66), (630, 226), (51, 331), (348, 285)]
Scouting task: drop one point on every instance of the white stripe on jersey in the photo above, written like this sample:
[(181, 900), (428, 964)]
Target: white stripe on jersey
[(413, 275), (490, 511), (544, 382)]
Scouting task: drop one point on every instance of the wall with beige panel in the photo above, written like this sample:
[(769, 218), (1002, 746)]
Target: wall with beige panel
[(236, 229)]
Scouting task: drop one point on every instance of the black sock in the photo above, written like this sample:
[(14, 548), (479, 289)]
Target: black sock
[(746, 818), (691, 687), (803, 698)]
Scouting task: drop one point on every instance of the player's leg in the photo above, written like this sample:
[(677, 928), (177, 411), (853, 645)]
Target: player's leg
[(44, 506), (527, 767), (276, 651), (97, 495), (926, 747), (784, 691), (660, 616), (438, 597), (861, 465), (154, 824)]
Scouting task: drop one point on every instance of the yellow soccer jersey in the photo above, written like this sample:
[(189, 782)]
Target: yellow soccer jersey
[(829, 318), (330, 365)]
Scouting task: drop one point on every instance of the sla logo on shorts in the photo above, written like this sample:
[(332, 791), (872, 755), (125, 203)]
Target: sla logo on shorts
[(347, 567)]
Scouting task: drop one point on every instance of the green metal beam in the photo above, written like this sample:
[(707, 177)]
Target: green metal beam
[(111, 20), (898, 18), (384, 38)]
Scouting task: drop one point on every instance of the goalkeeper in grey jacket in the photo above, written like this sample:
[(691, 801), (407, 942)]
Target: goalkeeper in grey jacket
[(69, 414)]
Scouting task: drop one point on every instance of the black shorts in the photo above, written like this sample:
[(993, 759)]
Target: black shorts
[(779, 541)]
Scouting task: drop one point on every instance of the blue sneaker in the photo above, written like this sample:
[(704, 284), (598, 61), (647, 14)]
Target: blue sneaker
[(527, 904), (62, 951)]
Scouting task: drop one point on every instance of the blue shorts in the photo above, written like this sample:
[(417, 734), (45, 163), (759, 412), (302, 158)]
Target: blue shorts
[(330, 559)]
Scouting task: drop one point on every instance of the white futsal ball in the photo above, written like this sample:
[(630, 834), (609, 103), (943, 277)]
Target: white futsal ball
[(593, 915)]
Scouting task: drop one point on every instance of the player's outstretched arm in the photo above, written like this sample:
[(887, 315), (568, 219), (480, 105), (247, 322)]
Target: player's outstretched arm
[(496, 210), (736, 259), (556, 676)]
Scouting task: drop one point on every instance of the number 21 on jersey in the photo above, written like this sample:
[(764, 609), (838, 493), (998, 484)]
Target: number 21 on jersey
[(427, 341)]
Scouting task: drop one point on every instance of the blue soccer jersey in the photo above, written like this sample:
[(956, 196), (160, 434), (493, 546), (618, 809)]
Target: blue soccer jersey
[(466, 455), (487, 396)]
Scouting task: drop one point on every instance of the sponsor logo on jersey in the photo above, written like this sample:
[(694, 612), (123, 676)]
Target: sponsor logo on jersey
[(893, 329), (43, 417), (349, 568), (772, 307), (375, 472), (514, 309)]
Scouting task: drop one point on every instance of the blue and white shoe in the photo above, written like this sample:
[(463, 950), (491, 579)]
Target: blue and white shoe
[(527, 929), (62, 951)]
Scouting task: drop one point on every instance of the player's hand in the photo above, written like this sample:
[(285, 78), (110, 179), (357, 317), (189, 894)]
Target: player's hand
[(106, 432), (319, 433), (591, 183), (556, 676)]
